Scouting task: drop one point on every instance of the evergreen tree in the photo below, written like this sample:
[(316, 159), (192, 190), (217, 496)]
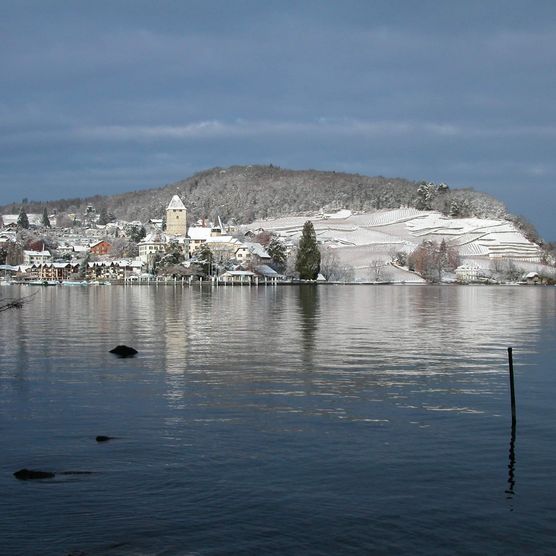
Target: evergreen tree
[(84, 266), (136, 233), (105, 217), (23, 221), (205, 258), (277, 251), (308, 253), (45, 219)]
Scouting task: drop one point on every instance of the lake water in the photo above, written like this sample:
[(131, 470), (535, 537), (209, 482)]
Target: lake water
[(279, 420)]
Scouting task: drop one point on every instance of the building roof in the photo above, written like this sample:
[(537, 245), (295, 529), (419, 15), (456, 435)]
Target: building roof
[(176, 203), (198, 232), (43, 253), (238, 273), (267, 272), (257, 249), (99, 243), (154, 237), (225, 240)]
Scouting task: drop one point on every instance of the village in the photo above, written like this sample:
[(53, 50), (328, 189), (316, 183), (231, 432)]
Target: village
[(116, 252), (404, 246)]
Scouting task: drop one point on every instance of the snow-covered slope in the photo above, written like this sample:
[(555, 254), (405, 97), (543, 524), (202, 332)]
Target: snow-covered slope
[(360, 239)]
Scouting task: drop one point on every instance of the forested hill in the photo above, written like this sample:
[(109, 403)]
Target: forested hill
[(243, 193)]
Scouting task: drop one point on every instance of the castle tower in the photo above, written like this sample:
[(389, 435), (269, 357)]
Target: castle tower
[(176, 218)]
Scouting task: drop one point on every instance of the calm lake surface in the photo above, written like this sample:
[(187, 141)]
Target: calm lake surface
[(285, 420)]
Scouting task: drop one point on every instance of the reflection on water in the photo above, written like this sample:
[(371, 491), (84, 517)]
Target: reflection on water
[(511, 465), (330, 419), (309, 317)]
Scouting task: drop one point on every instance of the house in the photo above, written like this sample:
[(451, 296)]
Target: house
[(257, 252), (223, 247), (466, 273), (57, 271), (36, 257), (64, 248), (150, 245), (532, 278), (197, 236), (155, 222), (100, 248)]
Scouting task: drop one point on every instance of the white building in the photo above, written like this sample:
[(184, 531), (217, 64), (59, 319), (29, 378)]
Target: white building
[(468, 273), (36, 257), (150, 245), (199, 235)]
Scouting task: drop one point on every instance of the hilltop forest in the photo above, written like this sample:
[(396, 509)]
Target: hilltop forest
[(241, 194)]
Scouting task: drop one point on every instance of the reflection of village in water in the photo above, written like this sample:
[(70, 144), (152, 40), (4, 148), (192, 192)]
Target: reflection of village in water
[(344, 342), (436, 348), (412, 362)]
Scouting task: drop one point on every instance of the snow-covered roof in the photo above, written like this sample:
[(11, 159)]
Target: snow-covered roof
[(224, 239), (154, 237), (176, 203), (43, 253), (257, 249), (199, 232), (238, 273), (57, 265), (266, 271)]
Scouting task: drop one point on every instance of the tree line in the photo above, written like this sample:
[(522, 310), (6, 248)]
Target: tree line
[(241, 194)]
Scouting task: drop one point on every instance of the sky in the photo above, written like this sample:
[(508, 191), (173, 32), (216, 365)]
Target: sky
[(110, 96)]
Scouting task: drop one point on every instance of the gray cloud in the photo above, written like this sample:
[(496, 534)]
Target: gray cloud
[(116, 95)]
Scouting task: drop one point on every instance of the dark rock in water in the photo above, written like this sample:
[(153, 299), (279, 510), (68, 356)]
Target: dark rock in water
[(124, 351), (103, 438), (27, 474)]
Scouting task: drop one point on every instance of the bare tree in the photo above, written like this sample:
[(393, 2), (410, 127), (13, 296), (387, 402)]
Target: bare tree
[(376, 270), (431, 259)]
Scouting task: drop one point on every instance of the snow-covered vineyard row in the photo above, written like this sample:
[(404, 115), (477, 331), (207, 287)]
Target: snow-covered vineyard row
[(403, 229)]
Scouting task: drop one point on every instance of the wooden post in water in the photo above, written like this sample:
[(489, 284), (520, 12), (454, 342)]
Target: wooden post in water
[(512, 387)]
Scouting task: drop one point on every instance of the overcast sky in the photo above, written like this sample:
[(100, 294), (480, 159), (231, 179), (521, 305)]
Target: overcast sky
[(110, 96)]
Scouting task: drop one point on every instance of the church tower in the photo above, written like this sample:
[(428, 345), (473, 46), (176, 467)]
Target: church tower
[(176, 218)]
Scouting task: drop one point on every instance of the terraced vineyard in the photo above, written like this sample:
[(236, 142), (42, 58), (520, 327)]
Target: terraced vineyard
[(365, 240)]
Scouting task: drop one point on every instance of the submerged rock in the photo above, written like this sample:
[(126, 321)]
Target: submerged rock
[(28, 474), (102, 438), (124, 351)]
